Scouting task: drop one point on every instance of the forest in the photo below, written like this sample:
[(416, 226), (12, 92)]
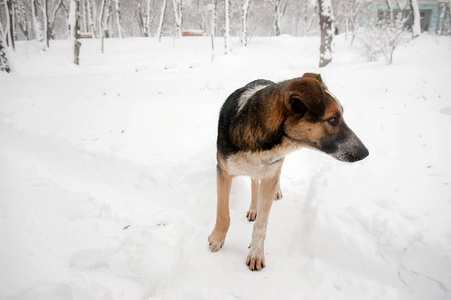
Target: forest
[(46, 20)]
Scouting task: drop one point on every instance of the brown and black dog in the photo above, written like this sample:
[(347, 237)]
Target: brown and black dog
[(259, 125)]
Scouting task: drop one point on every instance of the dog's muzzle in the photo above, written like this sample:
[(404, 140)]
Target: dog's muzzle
[(351, 149)]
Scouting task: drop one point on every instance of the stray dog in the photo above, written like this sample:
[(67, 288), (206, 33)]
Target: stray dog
[(258, 126)]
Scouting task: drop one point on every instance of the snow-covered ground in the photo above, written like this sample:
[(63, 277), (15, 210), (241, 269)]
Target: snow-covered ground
[(107, 175)]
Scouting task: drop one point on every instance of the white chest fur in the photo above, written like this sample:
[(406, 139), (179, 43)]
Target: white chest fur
[(259, 164)]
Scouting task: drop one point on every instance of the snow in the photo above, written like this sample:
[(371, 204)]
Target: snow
[(107, 182)]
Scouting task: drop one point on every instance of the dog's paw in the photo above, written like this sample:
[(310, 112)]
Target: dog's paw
[(214, 245), (255, 260), (279, 194), (251, 215)]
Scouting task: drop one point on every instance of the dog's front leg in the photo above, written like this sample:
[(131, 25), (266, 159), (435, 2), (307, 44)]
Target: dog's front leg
[(223, 184), (256, 258)]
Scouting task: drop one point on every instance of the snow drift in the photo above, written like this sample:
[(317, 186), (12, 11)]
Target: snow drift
[(107, 182)]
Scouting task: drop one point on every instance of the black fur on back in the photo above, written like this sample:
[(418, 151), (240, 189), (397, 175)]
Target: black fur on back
[(234, 123)]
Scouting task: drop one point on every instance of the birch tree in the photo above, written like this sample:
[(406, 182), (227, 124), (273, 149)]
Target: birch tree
[(37, 23), (212, 10), (279, 9), (326, 23), (416, 26), (22, 19), (118, 18), (4, 62), (227, 39), (148, 17), (90, 16), (102, 25), (178, 13), (74, 26), (45, 22), (244, 14), (145, 17), (52, 18), (161, 22), (9, 23)]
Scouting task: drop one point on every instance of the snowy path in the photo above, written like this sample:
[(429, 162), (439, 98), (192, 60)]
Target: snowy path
[(107, 182)]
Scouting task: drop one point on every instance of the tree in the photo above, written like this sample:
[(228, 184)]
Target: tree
[(386, 35), (59, 4), (22, 19), (145, 17), (118, 18), (325, 22), (45, 21), (227, 40), (244, 14), (352, 14), (416, 26), (449, 16), (178, 14), (10, 34), (74, 27), (90, 16), (4, 62), (149, 17), (102, 24), (308, 16), (279, 9), (161, 22), (37, 23), (212, 10)]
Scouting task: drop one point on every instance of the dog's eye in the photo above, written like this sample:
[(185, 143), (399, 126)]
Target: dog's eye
[(333, 121)]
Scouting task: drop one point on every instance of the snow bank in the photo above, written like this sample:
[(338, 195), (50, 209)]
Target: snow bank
[(107, 188)]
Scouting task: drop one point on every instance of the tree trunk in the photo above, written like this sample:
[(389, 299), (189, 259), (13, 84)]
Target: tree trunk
[(22, 20), (177, 5), (227, 42), (449, 16), (45, 21), (53, 18), (90, 17), (244, 14), (325, 23), (101, 25), (74, 27), (148, 18), (161, 23), (10, 23), (212, 9), (118, 18), (416, 26), (37, 24), (4, 63), (276, 17)]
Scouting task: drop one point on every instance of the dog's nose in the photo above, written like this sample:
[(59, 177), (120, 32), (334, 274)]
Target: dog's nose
[(362, 153)]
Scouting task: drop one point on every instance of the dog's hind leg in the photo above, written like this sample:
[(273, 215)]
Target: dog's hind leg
[(252, 212), (223, 184)]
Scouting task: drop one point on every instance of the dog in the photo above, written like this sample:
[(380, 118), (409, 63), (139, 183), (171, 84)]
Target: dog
[(259, 124)]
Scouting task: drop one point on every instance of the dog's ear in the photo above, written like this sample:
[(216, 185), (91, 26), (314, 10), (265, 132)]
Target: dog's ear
[(307, 94), (313, 75)]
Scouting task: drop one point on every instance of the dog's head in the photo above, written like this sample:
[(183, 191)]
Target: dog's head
[(315, 120)]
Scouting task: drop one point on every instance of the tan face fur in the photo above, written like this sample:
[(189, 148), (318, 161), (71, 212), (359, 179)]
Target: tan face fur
[(310, 134)]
